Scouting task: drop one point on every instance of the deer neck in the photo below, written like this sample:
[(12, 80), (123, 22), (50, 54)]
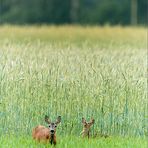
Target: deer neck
[(85, 132), (52, 138)]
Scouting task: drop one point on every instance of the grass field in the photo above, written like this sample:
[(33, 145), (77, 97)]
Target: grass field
[(75, 142), (74, 71)]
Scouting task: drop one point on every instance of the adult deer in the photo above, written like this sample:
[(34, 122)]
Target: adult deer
[(42, 133), (86, 127)]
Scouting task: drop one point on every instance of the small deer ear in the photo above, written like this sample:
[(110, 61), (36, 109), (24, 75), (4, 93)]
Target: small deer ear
[(58, 120), (47, 119), (83, 120), (92, 121)]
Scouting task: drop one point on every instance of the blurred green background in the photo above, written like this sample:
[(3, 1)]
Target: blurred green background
[(96, 12)]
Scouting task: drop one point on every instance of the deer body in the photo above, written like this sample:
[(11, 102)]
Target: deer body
[(86, 127), (85, 132), (42, 133)]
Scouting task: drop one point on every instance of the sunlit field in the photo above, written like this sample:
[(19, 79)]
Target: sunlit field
[(74, 72)]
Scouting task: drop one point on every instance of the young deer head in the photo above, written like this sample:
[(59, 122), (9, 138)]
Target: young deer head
[(86, 127), (42, 133)]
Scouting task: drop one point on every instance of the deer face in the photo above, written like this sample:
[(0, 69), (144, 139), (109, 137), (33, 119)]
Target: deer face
[(87, 124), (52, 125), (86, 127)]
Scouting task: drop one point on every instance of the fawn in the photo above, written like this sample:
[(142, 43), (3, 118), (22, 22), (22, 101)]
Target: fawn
[(86, 127), (42, 133)]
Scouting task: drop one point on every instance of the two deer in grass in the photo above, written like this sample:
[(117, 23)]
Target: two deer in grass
[(42, 133)]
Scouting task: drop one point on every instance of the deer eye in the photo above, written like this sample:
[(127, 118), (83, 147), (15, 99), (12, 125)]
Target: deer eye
[(49, 125), (55, 126)]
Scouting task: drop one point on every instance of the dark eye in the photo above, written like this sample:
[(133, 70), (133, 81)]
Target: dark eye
[(55, 126), (49, 125)]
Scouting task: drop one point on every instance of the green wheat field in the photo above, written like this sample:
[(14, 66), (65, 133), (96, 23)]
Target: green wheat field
[(74, 72)]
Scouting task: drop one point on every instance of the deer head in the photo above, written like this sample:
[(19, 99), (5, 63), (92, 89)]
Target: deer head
[(52, 125), (86, 127)]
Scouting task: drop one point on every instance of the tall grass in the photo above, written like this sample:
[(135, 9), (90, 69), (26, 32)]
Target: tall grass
[(73, 72)]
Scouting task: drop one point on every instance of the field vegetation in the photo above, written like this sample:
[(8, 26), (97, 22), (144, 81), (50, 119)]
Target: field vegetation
[(74, 72)]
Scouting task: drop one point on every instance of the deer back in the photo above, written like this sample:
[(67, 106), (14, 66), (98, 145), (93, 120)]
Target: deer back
[(41, 133)]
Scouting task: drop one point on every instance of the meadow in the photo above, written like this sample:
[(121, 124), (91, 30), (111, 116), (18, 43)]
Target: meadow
[(75, 72)]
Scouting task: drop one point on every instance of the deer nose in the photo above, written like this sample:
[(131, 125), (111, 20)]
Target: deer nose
[(52, 131)]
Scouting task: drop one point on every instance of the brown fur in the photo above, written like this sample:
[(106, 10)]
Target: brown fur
[(86, 127), (42, 134)]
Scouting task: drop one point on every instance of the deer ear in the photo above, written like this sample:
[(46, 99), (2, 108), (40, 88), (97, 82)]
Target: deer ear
[(47, 119), (92, 121), (83, 120), (58, 120)]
